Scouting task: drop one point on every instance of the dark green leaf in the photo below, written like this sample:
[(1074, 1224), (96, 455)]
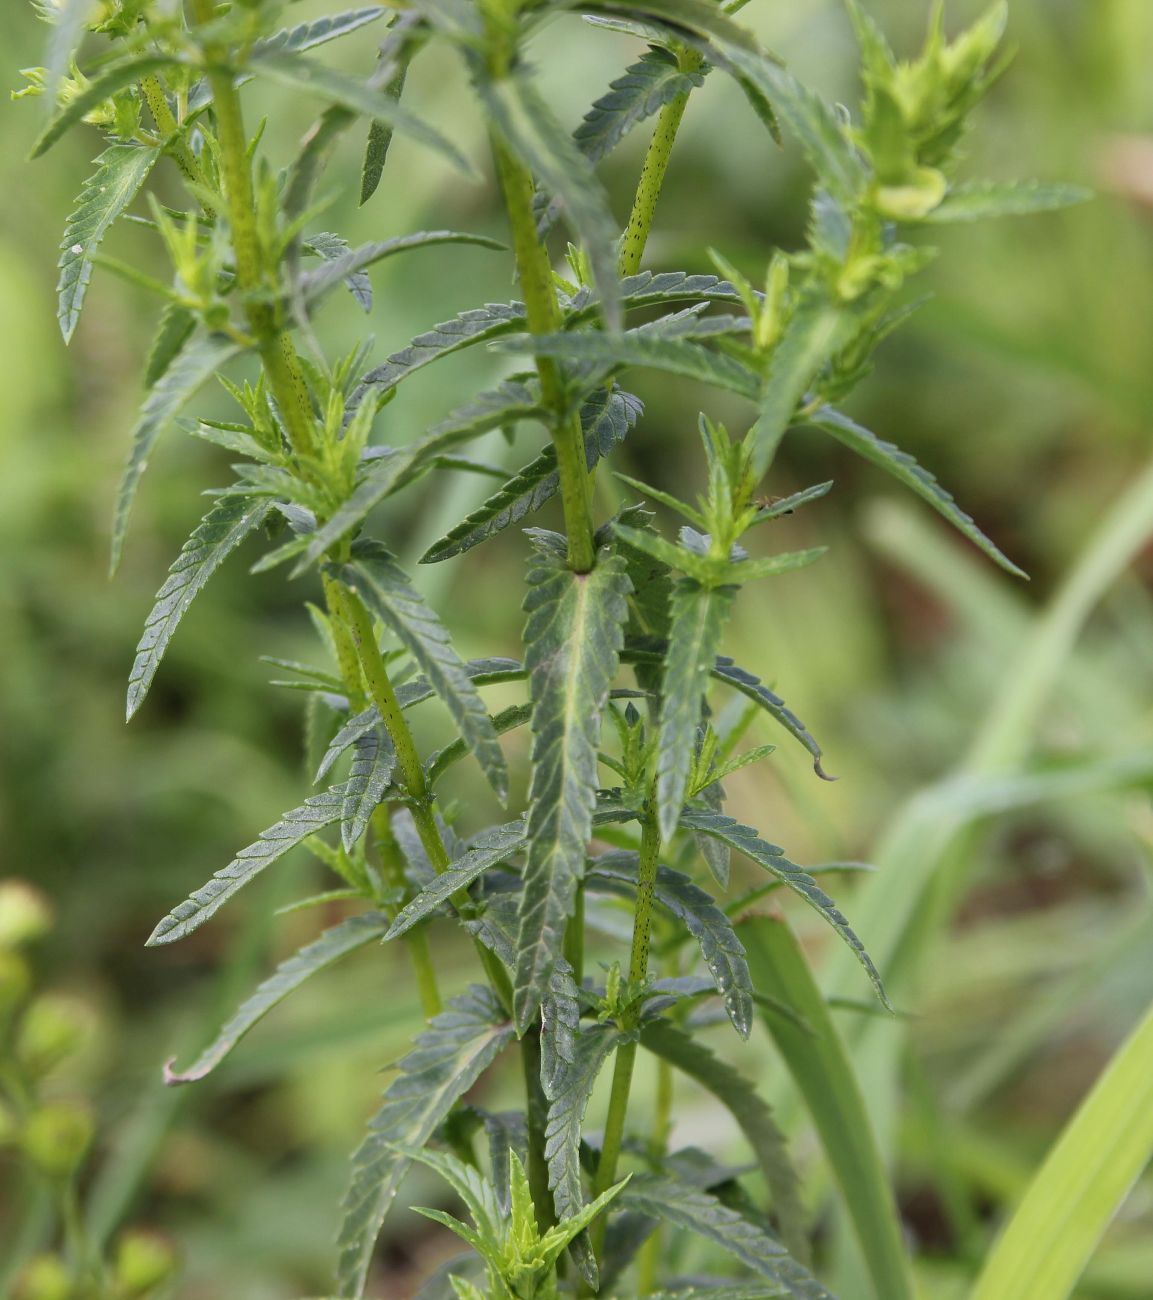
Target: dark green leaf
[(199, 360), (306, 36), (642, 90), (704, 920), (175, 329), (904, 468), (316, 283), (568, 1096), (120, 172), (297, 73), (384, 587), (404, 40), (217, 535), (560, 1017), (445, 1062), (605, 418), (113, 78), (698, 1211), (699, 615), (313, 815), (751, 1113), (329, 247), (373, 762), (980, 200), (483, 852), (746, 840), (530, 130), (572, 639), (329, 948)]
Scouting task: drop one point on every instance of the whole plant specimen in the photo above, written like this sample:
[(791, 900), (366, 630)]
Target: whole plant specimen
[(624, 624)]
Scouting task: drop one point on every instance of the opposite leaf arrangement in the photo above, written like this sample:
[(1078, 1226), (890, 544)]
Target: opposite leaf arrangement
[(625, 799)]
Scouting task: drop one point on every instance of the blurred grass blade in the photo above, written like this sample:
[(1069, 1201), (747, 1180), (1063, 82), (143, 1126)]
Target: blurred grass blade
[(1085, 1178), (820, 1065)]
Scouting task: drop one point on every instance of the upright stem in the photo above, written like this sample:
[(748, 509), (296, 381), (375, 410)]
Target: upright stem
[(167, 125), (627, 1054), (544, 317), (653, 173)]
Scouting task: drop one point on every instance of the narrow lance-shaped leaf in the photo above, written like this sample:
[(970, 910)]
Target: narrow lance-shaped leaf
[(445, 1062), (329, 247), (307, 36), (605, 419), (740, 1096), (573, 640), (746, 840), (384, 587), (642, 90), (329, 948), (559, 1025), (699, 615), (529, 128), (696, 1210), (373, 762), (704, 920), (176, 327), (904, 468), (823, 1072), (199, 360), (485, 851), (568, 1093), (217, 535), (405, 38), (980, 200), (120, 172), (313, 815)]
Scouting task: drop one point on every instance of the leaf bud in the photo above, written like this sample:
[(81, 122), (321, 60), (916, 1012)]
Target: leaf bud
[(144, 1260)]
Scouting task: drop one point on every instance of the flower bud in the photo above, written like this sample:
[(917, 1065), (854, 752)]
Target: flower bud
[(25, 913), (57, 1137), (54, 1027), (45, 1277), (15, 982), (143, 1261), (9, 1124)]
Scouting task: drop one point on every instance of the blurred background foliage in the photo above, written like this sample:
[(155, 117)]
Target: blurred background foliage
[(1025, 383)]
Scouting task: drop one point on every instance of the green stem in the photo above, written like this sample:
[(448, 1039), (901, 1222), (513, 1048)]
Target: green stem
[(653, 173), (536, 1115), (627, 1054), (176, 147), (544, 317)]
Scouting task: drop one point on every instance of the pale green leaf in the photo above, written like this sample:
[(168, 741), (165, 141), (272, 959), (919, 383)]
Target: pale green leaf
[(573, 639), (217, 535), (198, 361), (329, 948), (444, 1064), (115, 77), (120, 171), (308, 35), (981, 200), (313, 815)]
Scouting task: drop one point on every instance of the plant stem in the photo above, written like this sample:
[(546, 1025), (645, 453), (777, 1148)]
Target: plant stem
[(653, 173), (536, 1115), (167, 125), (627, 1053), (544, 317)]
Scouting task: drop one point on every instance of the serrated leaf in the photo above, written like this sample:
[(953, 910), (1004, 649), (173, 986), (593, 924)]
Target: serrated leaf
[(329, 247), (313, 815), (298, 73), (120, 172), (113, 78), (314, 284), (904, 468), (699, 615), (199, 360), (746, 840), (526, 123), (176, 327), (329, 948), (980, 200), (696, 1210), (384, 587), (483, 852), (814, 332), (573, 639), (306, 36), (405, 38), (445, 1062), (821, 1066), (642, 90), (698, 912), (568, 1096), (559, 1025), (752, 1114), (373, 762), (605, 418), (217, 535)]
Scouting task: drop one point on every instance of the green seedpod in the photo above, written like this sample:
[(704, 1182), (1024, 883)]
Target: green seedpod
[(25, 913), (15, 982), (54, 1027), (56, 1138), (144, 1260), (45, 1277)]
